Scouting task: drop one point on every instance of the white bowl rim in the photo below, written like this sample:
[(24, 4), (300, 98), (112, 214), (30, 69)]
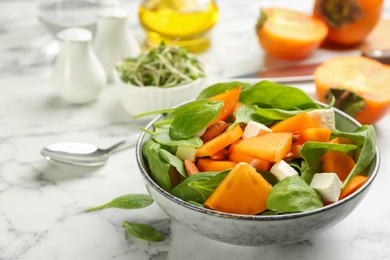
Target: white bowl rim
[(181, 86), (215, 213), (159, 89)]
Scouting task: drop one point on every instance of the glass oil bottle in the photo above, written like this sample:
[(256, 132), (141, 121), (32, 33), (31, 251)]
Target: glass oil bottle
[(180, 22)]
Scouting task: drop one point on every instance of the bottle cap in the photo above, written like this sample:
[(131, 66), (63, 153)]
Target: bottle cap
[(112, 13), (74, 34)]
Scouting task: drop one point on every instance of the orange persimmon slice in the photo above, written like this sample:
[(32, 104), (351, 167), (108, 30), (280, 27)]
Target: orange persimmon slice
[(269, 146), (243, 191), (236, 156), (337, 162), (230, 100), (261, 164), (220, 142), (341, 140), (209, 165), (353, 185), (294, 123), (316, 134)]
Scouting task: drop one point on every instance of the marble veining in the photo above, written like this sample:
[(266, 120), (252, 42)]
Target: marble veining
[(42, 205)]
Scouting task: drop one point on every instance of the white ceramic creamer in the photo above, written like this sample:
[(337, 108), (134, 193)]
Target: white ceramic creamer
[(78, 75), (113, 40)]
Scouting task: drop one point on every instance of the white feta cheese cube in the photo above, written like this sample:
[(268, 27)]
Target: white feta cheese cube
[(185, 152), (324, 117), (327, 185), (282, 170), (254, 129)]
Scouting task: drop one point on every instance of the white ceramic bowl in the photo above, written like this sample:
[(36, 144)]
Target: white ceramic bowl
[(258, 229), (136, 100)]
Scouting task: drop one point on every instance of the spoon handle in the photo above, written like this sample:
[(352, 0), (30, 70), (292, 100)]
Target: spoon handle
[(123, 144)]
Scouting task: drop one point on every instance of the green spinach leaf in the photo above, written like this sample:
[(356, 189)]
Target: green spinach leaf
[(247, 113), (269, 213), (268, 94), (221, 88), (293, 194), (360, 135), (164, 138), (130, 201), (174, 161), (269, 177), (196, 204), (312, 152), (158, 166), (365, 138), (306, 173), (188, 193), (205, 188), (193, 117), (275, 114), (142, 231)]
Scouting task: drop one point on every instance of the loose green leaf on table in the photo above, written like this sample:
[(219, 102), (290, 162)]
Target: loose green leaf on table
[(130, 201), (142, 231)]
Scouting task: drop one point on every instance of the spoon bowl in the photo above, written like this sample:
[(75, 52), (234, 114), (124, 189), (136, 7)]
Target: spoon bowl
[(83, 154)]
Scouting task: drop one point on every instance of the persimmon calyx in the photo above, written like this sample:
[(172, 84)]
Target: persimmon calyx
[(340, 12), (261, 20), (346, 100)]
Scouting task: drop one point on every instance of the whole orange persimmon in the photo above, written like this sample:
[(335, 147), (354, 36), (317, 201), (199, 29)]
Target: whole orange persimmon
[(349, 21)]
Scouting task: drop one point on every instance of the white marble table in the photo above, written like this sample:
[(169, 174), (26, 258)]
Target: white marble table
[(42, 204)]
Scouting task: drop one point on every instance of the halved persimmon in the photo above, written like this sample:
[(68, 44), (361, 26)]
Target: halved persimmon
[(289, 34), (349, 21), (361, 86)]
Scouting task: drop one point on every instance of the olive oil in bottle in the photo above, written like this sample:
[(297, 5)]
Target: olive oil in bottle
[(181, 22)]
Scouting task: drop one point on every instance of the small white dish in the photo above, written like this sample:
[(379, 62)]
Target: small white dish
[(137, 100)]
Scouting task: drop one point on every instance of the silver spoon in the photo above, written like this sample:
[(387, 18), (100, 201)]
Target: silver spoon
[(83, 154)]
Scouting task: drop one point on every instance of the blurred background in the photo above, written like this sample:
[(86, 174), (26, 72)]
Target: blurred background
[(22, 29)]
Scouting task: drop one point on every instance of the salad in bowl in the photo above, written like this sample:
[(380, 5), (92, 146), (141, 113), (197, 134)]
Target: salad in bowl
[(254, 164)]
